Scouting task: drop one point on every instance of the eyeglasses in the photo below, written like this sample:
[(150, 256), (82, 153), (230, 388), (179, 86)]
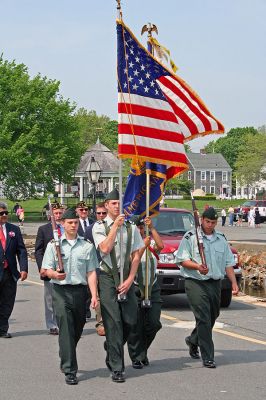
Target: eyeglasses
[(101, 212), (3, 213), (83, 209)]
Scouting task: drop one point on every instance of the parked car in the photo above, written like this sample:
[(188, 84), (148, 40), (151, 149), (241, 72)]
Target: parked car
[(172, 224), (261, 204)]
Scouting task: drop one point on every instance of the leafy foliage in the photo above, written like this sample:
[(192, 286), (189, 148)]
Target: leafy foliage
[(40, 142), (93, 126), (230, 146), (249, 168)]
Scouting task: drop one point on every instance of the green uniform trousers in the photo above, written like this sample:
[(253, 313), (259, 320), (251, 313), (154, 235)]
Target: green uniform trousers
[(148, 325), (118, 319), (70, 309), (204, 300)]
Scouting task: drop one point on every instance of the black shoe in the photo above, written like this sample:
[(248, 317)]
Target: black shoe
[(71, 379), (53, 331), (5, 335), (117, 376), (145, 362), (107, 358), (137, 364), (193, 349), (209, 364)]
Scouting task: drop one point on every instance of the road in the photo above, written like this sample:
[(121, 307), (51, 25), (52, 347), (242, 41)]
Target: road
[(30, 363)]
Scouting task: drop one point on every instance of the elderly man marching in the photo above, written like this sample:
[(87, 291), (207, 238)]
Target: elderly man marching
[(70, 289), (118, 317)]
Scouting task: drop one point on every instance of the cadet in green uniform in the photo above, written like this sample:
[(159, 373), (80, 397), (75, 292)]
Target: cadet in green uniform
[(118, 317), (70, 289), (203, 283), (148, 318)]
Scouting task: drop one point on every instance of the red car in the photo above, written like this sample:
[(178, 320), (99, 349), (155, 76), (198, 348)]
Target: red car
[(172, 224)]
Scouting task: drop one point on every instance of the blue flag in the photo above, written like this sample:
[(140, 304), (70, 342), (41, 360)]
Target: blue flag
[(135, 194)]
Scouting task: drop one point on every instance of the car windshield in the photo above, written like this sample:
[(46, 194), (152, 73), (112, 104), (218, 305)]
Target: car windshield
[(249, 203), (173, 222)]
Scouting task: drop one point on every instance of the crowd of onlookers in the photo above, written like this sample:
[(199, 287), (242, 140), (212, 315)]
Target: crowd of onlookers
[(236, 219)]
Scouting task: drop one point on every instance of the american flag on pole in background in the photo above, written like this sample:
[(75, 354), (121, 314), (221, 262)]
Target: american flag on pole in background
[(157, 110)]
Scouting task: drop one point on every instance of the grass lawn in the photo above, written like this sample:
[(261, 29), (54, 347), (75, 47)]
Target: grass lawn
[(35, 206), (219, 204)]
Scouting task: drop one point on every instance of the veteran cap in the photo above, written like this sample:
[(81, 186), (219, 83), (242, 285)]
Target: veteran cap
[(113, 195), (70, 213), (56, 205), (137, 220), (210, 213), (82, 204)]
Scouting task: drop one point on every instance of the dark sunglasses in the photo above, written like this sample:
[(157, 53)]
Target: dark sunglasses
[(83, 209), (101, 212), (3, 213)]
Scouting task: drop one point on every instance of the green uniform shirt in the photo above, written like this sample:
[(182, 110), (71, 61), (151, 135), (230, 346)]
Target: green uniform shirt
[(99, 235), (217, 252), (78, 260)]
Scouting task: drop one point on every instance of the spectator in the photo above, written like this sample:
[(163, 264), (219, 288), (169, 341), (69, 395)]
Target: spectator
[(15, 208), (20, 215), (257, 217), (223, 215), (240, 216), (231, 216), (251, 217)]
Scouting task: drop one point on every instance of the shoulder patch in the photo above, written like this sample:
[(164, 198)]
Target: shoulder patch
[(187, 235), (52, 241), (221, 234)]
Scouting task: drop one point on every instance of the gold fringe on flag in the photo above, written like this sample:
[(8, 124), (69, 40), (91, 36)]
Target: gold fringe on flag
[(162, 52)]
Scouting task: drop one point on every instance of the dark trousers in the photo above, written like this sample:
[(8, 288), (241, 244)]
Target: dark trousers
[(8, 289), (70, 309), (204, 300), (118, 319), (223, 221), (148, 325)]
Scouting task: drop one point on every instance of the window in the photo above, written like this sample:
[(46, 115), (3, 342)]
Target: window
[(203, 175), (224, 175), (212, 189), (189, 175), (203, 188), (212, 175)]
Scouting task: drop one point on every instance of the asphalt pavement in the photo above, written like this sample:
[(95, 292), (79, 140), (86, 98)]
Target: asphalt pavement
[(30, 362)]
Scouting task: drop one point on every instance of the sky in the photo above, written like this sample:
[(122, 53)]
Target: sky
[(219, 47)]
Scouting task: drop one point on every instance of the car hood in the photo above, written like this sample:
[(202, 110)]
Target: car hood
[(171, 243)]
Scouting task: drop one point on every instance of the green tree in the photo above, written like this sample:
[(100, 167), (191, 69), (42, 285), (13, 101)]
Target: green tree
[(179, 184), (229, 145), (249, 168), (40, 142)]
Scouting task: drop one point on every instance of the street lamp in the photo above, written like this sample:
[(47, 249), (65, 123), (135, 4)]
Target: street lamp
[(93, 172)]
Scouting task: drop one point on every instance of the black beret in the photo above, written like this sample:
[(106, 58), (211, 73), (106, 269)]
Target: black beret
[(137, 220), (113, 195), (210, 213), (82, 204), (70, 213)]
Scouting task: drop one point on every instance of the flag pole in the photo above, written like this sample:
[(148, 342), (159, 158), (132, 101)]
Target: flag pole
[(121, 297), (146, 303)]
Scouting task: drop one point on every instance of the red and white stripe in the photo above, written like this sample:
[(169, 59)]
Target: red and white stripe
[(149, 129)]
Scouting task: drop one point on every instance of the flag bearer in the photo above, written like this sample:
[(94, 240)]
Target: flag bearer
[(118, 317)]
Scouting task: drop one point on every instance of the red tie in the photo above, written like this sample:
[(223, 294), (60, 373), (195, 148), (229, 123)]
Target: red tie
[(3, 242)]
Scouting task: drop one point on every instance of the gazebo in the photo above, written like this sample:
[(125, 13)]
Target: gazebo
[(108, 164)]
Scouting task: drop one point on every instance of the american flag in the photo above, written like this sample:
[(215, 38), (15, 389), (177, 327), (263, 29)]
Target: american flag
[(157, 110)]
